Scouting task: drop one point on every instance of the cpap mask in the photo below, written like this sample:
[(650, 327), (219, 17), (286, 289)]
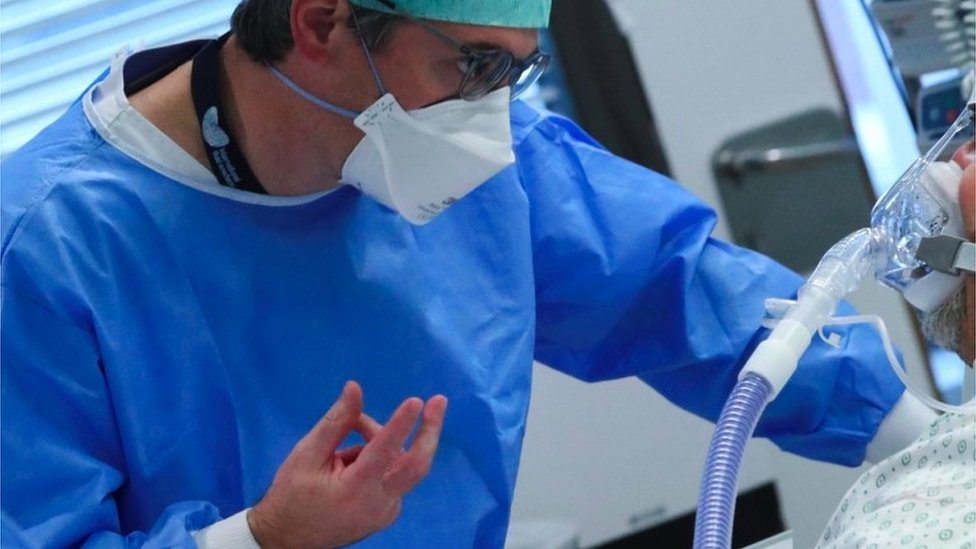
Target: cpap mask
[(916, 244), (918, 225)]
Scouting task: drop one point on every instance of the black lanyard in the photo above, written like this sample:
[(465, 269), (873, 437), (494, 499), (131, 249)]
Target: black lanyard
[(226, 159)]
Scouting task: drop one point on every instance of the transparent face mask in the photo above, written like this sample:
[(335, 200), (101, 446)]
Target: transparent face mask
[(920, 209), (919, 206)]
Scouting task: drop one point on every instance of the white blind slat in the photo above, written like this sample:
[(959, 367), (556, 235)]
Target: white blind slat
[(50, 51)]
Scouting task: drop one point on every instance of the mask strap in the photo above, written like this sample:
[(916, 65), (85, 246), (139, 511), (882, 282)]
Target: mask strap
[(341, 111), (309, 97)]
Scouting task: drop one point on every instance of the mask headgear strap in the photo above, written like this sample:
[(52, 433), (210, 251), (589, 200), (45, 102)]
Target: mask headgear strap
[(947, 254), (325, 104), (950, 254), (305, 95)]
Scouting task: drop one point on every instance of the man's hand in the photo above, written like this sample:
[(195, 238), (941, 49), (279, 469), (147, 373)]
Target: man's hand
[(321, 497)]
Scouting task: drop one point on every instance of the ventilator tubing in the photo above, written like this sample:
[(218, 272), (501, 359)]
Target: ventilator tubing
[(716, 499), (765, 374)]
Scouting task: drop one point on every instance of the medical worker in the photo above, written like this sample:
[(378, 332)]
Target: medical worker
[(925, 494), (346, 197)]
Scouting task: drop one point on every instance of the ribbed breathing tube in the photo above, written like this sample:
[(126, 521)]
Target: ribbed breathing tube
[(765, 374), (716, 497)]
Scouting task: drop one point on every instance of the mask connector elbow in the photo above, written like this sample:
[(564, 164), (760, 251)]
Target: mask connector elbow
[(837, 274)]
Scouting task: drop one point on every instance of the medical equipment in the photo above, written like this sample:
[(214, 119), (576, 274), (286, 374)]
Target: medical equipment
[(912, 245), (931, 44), (956, 22), (926, 35)]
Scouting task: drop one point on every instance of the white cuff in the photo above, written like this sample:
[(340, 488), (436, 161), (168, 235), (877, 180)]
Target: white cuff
[(229, 533), (906, 421)]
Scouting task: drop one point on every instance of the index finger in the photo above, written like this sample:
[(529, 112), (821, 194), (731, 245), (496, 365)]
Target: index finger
[(368, 427), (387, 444), (321, 441)]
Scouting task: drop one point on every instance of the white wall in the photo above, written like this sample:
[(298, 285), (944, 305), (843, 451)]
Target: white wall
[(713, 69), (616, 456)]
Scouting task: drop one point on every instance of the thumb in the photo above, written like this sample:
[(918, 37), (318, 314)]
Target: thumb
[(321, 442)]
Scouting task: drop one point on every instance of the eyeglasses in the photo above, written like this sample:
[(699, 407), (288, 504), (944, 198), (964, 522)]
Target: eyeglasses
[(486, 70)]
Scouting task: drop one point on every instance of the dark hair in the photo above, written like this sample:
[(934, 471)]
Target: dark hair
[(263, 28)]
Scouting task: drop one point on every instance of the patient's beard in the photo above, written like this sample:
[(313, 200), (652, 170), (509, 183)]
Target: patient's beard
[(943, 326)]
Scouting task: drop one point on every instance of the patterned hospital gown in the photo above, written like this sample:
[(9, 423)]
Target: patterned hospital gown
[(921, 497)]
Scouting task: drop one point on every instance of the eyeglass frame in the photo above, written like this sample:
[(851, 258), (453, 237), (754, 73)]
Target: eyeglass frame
[(516, 67)]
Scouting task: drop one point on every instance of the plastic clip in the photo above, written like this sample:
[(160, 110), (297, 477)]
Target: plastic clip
[(776, 309)]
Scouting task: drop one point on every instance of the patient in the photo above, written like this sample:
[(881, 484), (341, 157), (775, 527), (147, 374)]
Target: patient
[(925, 495)]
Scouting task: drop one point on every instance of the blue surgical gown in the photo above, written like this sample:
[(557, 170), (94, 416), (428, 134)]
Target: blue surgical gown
[(164, 348)]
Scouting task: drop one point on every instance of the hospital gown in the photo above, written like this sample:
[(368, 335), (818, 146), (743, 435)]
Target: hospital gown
[(923, 496), (167, 340)]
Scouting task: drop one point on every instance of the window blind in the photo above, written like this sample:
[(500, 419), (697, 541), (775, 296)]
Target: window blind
[(51, 51)]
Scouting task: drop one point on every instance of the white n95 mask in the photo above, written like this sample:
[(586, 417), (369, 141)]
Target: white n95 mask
[(420, 162)]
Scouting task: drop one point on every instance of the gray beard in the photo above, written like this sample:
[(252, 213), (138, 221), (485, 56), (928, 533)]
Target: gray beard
[(943, 325)]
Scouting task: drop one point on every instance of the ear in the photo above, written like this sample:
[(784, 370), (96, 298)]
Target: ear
[(314, 23)]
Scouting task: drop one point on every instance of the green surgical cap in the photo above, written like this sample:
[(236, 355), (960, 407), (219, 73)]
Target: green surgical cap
[(494, 13)]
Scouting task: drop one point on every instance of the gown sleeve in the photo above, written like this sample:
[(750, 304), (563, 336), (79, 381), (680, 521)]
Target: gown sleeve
[(629, 281), (62, 457)]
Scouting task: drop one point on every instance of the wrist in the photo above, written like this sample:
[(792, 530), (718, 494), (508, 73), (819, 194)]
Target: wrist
[(261, 528), (230, 533)]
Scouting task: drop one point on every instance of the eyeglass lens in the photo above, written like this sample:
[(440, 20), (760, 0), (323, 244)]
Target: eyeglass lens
[(499, 68), (488, 70)]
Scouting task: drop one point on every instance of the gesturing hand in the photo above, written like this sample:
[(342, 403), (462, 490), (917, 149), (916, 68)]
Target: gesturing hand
[(321, 497)]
